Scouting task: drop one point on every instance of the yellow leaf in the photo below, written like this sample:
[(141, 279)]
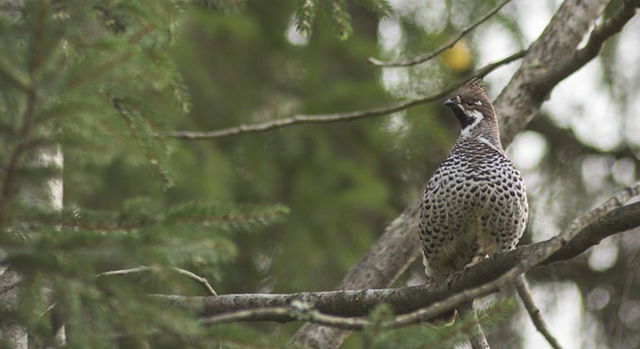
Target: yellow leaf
[(457, 58)]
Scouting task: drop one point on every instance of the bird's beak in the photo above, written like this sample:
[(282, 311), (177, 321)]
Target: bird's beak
[(449, 103)]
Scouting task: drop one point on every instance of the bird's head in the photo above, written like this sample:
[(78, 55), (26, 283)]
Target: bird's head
[(472, 107)]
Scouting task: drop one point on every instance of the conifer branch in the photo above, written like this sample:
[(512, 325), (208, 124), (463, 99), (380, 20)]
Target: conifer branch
[(426, 57), (522, 287), (143, 268), (346, 116), (419, 303)]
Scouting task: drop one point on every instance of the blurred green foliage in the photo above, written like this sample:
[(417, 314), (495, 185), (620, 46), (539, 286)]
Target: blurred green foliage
[(284, 211)]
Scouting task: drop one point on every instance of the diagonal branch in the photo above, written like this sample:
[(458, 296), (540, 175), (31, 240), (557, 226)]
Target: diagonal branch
[(596, 40), (346, 116), (405, 300), (477, 338), (426, 57), (522, 287)]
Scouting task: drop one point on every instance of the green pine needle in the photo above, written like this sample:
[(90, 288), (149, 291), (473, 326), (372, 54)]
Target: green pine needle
[(305, 16)]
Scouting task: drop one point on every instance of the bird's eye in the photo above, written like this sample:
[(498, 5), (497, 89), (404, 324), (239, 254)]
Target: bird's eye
[(469, 103)]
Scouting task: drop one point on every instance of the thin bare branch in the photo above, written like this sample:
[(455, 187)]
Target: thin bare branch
[(125, 271), (426, 57), (522, 287), (143, 268), (477, 338), (203, 281), (303, 311), (298, 310), (346, 116)]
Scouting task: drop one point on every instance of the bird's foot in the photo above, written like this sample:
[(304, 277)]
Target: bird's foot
[(475, 260), (453, 277)]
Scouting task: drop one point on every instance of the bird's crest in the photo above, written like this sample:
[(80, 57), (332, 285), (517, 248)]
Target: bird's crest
[(473, 88)]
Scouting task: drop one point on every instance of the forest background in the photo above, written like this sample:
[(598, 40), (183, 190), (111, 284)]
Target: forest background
[(87, 88)]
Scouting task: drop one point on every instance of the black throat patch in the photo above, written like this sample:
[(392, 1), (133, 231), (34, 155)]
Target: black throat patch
[(462, 117)]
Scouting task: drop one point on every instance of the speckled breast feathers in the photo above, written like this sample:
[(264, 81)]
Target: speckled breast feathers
[(475, 203)]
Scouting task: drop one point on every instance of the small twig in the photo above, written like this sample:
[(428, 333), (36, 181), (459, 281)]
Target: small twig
[(125, 271), (203, 281), (143, 268), (477, 338), (425, 57), (346, 116), (522, 287), (295, 311)]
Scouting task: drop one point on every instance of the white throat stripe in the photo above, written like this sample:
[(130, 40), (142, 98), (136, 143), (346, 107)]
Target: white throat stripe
[(478, 117)]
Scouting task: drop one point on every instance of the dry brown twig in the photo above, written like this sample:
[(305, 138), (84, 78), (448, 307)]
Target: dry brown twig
[(143, 268), (426, 57), (522, 287)]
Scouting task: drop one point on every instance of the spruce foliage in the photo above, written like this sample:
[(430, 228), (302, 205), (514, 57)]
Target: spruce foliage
[(94, 79)]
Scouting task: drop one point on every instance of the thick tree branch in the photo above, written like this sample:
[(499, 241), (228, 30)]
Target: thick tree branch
[(426, 57), (405, 300), (517, 105), (531, 85), (346, 116), (522, 287), (593, 46)]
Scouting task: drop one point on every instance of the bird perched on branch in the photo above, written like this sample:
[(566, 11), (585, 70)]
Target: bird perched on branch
[(475, 204)]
